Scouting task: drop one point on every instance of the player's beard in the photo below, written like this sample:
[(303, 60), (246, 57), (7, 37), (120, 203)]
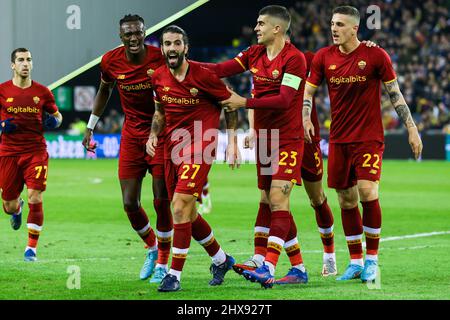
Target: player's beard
[(179, 61)]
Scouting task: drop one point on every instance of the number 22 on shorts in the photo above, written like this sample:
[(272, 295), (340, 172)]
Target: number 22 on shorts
[(368, 157)]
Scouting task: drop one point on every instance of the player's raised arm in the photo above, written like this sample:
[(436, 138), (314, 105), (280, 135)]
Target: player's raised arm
[(402, 109), (308, 126), (158, 125), (101, 99)]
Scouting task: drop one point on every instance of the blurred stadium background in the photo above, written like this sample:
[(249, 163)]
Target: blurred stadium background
[(415, 34)]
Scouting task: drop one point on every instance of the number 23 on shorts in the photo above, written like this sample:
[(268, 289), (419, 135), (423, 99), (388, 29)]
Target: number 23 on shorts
[(292, 161)]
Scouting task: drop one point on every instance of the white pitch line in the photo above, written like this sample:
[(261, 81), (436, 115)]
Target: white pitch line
[(417, 235), (408, 236), (412, 236)]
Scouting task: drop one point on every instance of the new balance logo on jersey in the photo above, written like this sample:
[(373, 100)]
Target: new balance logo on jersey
[(121, 77), (10, 100), (332, 67)]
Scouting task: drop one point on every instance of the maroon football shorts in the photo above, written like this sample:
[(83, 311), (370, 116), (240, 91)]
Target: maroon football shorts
[(312, 164), (284, 163), (185, 178), (134, 161), (350, 162), (28, 169)]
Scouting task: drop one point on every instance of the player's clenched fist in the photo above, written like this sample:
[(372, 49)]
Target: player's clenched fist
[(88, 144), (249, 140)]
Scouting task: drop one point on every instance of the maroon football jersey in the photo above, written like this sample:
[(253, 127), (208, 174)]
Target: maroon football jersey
[(190, 105), (267, 80), (26, 106), (354, 86), (135, 88)]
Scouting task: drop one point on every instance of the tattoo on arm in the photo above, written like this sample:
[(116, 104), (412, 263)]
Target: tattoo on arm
[(231, 119), (399, 103), (404, 114), (159, 119), (307, 106)]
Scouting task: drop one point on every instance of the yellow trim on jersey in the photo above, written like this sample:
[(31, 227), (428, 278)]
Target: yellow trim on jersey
[(242, 65), (390, 81), (312, 85)]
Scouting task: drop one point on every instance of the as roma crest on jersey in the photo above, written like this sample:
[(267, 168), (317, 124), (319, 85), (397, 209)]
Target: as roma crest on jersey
[(150, 72), (166, 89), (362, 64), (275, 73), (36, 99), (194, 92)]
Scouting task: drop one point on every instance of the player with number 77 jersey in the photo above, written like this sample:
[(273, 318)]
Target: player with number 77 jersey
[(23, 150)]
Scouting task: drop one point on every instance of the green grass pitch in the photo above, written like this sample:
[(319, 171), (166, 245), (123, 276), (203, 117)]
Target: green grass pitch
[(85, 226)]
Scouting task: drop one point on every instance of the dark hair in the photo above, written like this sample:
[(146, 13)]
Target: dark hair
[(131, 18), (279, 12), (349, 11), (13, 54), (174, 29)]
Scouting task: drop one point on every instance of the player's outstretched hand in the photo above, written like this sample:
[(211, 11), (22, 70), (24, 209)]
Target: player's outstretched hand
[(6, 126), (308, 127), (415, 142), (151, 144), (234, 102), (88, 143), (233, 156), (249, 140)]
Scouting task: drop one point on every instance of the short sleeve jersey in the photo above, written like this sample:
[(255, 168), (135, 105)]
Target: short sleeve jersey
[(354, 87), (134, 86), (287, 68), (26, 107), (190, 106)]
